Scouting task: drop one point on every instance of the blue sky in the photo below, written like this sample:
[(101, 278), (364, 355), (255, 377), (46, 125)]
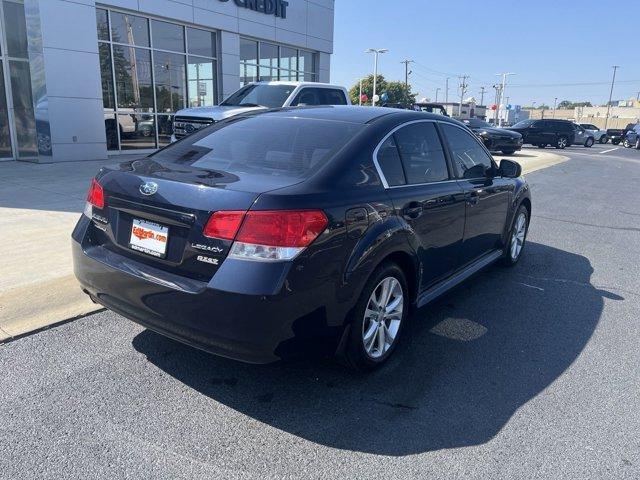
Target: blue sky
[(555, 47)]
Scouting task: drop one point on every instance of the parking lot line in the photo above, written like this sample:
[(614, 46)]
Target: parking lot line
[(610, 150)]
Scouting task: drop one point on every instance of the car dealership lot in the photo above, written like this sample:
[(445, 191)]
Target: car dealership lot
[(525, 373)]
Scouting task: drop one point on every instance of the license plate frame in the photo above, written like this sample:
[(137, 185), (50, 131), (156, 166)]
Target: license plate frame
[(148, 237)]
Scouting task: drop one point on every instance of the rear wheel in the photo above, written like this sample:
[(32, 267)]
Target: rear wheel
[(378, 318), (638, 143), (517, 237), (615, 142), (604, 139), (589, 143), (562, 142)]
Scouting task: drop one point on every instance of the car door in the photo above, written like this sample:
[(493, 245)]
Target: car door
[(534, 134), (487, 197), (425, 195)]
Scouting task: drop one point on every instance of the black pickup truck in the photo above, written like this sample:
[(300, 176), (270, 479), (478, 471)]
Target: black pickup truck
[(617, 134)]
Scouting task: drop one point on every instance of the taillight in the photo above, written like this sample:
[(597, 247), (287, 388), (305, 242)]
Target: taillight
[(223, 225), (96, 195), (267, 235)]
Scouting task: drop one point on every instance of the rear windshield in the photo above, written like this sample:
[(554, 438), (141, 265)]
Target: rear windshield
[(263, 144), (260, 95)]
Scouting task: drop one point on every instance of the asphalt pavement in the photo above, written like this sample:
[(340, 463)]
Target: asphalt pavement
[(530, 372)]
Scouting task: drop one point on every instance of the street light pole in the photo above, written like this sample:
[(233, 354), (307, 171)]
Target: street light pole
[(555, 104), (437, 90), (482, 89), (446, 91), (613, 81), (502, 91), (376, 52)]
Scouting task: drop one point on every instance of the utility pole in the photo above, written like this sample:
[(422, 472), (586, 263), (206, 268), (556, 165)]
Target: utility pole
[(446, 91), (502, 90), (482, 89), (498, 88), (437, 90), (613, 81), (463, 90), (376, 52), (406, 71), (555, 104), (359, 96)]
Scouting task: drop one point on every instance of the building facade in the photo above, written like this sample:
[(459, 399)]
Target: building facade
[(82, 79)]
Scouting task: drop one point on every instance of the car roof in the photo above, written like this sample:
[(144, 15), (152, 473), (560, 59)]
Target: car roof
[(298, 84), (352, 113)]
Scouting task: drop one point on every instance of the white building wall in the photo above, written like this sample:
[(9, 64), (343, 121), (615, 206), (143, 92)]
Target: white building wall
[(71, 61)]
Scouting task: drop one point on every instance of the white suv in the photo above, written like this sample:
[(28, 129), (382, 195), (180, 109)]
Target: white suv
[(257, 96)]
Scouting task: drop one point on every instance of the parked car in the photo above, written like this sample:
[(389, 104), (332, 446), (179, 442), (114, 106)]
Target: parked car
[(599, 135), (632, 138), (495, 139), (617, 135), (284, 233), (558, 133), (430, 107), (583, 136), (259, 96)]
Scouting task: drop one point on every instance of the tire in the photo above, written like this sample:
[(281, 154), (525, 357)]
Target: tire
[(615, 142), (517, 234), (365, 319), (626, 143), (603, 139), (562, 142), (508, 152), (638, 143), (589, 143)]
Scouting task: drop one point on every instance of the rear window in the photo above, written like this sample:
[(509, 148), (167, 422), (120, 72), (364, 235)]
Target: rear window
[(263, 144)]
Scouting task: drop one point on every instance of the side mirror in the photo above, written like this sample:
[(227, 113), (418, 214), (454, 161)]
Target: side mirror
[(510, 169)]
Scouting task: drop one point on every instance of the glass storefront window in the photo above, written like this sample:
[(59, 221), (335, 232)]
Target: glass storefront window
[(16, 30), (167, 36), (5, 135), (268, 55), (102, 24), (202, 84), (306, 62), (159, 68), (201, 42), (275, 62), (288, 58), (133, 77), (23, 108), (129, 29), (248, 51), (170, 80)]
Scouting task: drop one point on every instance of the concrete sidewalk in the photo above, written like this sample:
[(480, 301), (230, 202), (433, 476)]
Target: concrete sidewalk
[(39, 206)]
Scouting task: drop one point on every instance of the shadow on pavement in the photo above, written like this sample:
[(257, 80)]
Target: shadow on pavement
[(467, 363)]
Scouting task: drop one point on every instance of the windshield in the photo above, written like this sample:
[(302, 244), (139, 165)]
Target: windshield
[(270, 96), (523, 124), (476, 123), (263, 145)]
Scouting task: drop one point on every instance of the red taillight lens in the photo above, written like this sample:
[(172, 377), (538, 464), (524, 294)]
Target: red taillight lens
[(96, 195), (287, 228), (223, 225), (277, 228)]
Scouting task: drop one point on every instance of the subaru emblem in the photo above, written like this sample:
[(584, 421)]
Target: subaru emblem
[(148, 188)]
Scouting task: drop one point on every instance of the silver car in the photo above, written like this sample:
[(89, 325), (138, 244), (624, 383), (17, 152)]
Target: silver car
[(600, 136), (583, 137)]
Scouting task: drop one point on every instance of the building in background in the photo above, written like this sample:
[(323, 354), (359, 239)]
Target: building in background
[(469, 110), (81, 80)]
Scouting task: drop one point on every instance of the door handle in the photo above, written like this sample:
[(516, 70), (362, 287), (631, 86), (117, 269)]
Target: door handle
[(412, 211), (473, 197)]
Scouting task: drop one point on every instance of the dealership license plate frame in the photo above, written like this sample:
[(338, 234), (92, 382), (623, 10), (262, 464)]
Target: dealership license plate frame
[(149, 246)]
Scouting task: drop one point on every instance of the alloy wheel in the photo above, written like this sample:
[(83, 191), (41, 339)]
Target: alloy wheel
[(518, 236), (382, 317), (562, 142), (625, 144)]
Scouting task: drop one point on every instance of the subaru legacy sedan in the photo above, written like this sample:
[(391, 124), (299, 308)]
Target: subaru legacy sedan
[(297, 232)]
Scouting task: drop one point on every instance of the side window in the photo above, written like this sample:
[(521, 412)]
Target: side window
[(470, 158), (389, 162), (421, 153), (333, 97), (539, 124), (319, 96)]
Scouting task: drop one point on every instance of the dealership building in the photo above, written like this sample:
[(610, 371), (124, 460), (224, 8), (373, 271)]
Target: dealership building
[(83, 80)]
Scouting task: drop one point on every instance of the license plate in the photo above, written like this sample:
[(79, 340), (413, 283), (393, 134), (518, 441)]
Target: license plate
[(149, 237)]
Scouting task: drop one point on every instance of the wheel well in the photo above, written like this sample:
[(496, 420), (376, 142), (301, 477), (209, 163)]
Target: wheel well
[(406, 263), (527, 204)]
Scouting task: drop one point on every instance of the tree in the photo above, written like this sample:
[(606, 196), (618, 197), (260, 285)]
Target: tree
[(397, 91), (570, 105)]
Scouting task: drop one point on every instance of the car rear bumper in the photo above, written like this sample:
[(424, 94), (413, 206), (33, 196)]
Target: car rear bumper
[(250, 328)]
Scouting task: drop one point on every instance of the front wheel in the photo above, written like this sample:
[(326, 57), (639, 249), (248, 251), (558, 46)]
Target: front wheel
[(615, 142), (508, 152), (517, 237), (378, 318), (638, 143), (589, 143), (562, 143)]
